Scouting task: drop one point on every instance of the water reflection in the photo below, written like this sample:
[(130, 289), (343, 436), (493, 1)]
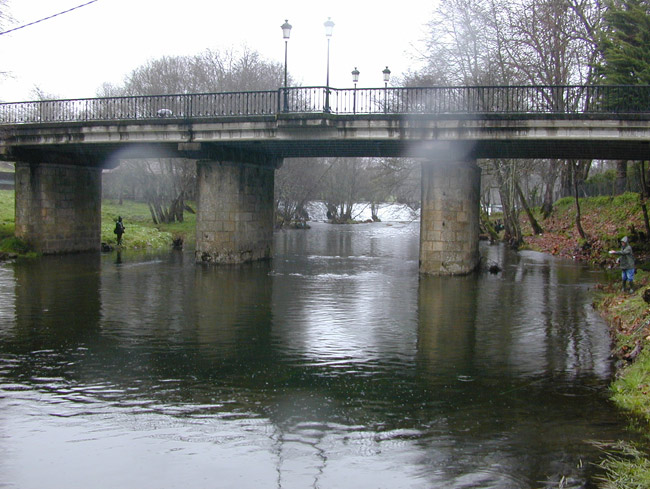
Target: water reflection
[(334, 366)]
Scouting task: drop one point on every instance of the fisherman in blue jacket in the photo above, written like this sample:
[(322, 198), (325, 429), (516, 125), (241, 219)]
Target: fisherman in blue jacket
[(626, 264)]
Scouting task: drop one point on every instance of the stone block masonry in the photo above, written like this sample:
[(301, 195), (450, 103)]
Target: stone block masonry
[(58, 207), (234, 221), (449, 223)]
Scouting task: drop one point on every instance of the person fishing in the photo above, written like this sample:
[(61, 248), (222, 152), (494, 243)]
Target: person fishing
[(626, 264), (119, 230)]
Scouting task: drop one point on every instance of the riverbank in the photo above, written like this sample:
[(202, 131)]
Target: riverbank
[(605, 220)]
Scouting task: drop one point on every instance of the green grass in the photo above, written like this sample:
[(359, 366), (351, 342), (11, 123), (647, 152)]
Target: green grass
[(626, 467), (141, 232), (7, 218), (632, 390)]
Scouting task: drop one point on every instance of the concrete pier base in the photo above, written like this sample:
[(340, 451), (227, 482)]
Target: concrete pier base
[(234, 222), (449, 225), (58, 207)]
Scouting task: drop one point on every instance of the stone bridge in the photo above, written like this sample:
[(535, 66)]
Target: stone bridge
[(238, 139)]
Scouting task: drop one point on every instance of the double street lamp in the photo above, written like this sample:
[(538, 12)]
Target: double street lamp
[(329, 27), (286, 32)]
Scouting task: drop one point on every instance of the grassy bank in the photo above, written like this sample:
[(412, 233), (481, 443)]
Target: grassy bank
[(606, 220), (140, 233), (627, 465)]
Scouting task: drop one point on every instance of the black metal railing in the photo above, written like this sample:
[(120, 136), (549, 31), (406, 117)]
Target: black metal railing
[(593, 99)]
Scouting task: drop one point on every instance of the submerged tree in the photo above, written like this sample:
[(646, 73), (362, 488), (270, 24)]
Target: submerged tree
[(296, 184)]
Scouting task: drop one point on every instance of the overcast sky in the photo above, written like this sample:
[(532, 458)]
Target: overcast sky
[(71, 55)]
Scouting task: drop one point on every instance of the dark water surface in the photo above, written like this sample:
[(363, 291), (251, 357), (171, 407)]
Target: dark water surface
[(334, 366)]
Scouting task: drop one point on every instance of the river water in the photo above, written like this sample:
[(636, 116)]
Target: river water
[(333, 366)]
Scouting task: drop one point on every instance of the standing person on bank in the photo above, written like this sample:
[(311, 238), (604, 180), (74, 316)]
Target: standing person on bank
[(119, 230), (626, 263)]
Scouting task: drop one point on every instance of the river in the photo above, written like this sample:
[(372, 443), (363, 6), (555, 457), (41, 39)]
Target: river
[(333, 366)]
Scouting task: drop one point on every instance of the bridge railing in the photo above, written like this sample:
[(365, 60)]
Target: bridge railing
[(389, 100), (471, 100), (184, 106)]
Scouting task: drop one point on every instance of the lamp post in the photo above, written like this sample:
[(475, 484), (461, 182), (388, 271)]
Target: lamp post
[(286, 32), (355, 79), (329, 27), (386, 73)]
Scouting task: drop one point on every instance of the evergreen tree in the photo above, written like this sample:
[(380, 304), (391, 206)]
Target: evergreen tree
[(625, 50), (625, 43)]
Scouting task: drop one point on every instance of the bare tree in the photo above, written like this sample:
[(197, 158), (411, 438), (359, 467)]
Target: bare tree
[(392, 180), (168, 183), (556, 45), (296, 184), (538, 42), (344, 184)]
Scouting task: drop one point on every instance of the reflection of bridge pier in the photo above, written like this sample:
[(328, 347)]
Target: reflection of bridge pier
[(44, 301), (447, 308)]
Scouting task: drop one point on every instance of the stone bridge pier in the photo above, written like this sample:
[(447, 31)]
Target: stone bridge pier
[(58, 206), (449, 220), (235, 215)]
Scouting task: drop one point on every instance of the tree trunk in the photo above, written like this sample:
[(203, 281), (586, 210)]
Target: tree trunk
[(581, 231), (332, 210), (537, 229), (373, 211), (549, 177), (547, 206), (488, 226), (621, 176), (153, 213), (643, 197), (573, 174), (512, 234)]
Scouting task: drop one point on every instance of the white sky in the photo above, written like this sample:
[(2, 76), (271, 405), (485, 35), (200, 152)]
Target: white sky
[(70, 56)]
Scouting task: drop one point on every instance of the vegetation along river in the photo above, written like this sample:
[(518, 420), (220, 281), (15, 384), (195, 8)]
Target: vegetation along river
[(334, 366)]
